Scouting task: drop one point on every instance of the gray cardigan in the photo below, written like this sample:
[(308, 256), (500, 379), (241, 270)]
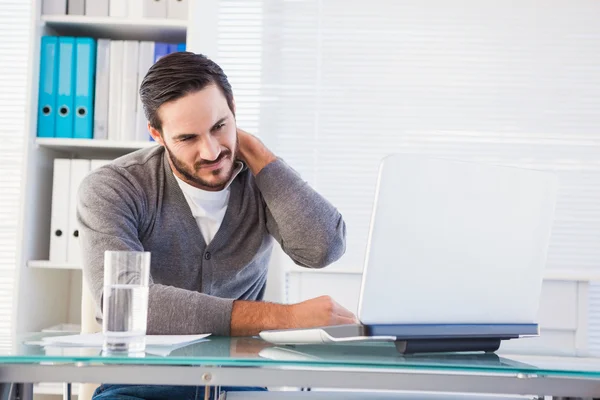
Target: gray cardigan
[(135, 203)]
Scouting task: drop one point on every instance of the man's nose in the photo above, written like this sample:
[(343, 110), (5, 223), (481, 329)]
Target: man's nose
[(210, 149)]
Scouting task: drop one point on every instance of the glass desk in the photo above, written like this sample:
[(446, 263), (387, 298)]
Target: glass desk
[(223, 361)]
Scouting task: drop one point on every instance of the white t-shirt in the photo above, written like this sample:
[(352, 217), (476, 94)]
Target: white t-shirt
[(208, 208)]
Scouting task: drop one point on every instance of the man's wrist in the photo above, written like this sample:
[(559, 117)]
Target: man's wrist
[(249, 318)]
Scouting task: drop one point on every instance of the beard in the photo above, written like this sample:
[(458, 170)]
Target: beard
[(191, 174)]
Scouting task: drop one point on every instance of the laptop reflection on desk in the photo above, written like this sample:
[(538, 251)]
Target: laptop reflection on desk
[(379, 355)]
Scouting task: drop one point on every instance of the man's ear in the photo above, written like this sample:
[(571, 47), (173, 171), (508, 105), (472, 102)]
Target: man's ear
[(156, 135)]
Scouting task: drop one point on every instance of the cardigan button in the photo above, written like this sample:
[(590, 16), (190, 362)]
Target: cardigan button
[(207, 255)]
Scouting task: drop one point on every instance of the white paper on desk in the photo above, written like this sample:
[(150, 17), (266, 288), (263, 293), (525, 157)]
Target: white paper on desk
[(163, 351), (97, 339)]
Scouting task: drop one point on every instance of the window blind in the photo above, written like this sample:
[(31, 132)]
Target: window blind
[(334, 85), (14, 51)]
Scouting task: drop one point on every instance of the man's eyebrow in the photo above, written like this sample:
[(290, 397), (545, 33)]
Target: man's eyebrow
[(184, 135), (189, 135), (219, 122)]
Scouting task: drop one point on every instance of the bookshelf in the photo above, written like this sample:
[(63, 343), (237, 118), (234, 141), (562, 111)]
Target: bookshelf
[(164, 30), (49, 294)]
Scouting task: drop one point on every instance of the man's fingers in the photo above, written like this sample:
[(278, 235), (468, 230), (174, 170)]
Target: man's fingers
[(341, 311), (345, 321), (346, 316)]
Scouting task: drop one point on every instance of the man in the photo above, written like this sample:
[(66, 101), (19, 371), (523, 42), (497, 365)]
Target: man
[(207, 203)]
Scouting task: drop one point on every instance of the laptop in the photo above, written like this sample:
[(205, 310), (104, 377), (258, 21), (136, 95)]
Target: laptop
[(455, 257)]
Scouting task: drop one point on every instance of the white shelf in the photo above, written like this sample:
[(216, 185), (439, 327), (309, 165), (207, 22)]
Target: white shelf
[(549, 274), (51, 265), (572, 275), (69, 144), (63, 329), (297, 269), (92, 147), (53, 388), (164, 30)]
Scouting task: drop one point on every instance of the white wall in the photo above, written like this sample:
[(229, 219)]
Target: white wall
[(14, 51), (339, 83)]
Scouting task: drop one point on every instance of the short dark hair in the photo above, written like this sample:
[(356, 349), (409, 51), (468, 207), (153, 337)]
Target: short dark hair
[(178, 75)]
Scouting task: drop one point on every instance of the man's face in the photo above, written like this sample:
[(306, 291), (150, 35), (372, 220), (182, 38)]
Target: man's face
[(199, 134)]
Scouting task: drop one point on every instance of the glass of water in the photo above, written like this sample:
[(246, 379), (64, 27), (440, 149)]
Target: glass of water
[(125, 301)]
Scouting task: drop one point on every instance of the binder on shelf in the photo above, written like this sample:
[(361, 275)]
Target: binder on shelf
[(54, 7), (66, 87), (115, 89), (76, 7), (154, 9), (47, 87), (102, 89), (96, 8), (180, 47), (84, 88), (172, 48), (129, 90), (59, 215), (160, 50), (117, 8), (146, 59), (79, 170), (177, 9)]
